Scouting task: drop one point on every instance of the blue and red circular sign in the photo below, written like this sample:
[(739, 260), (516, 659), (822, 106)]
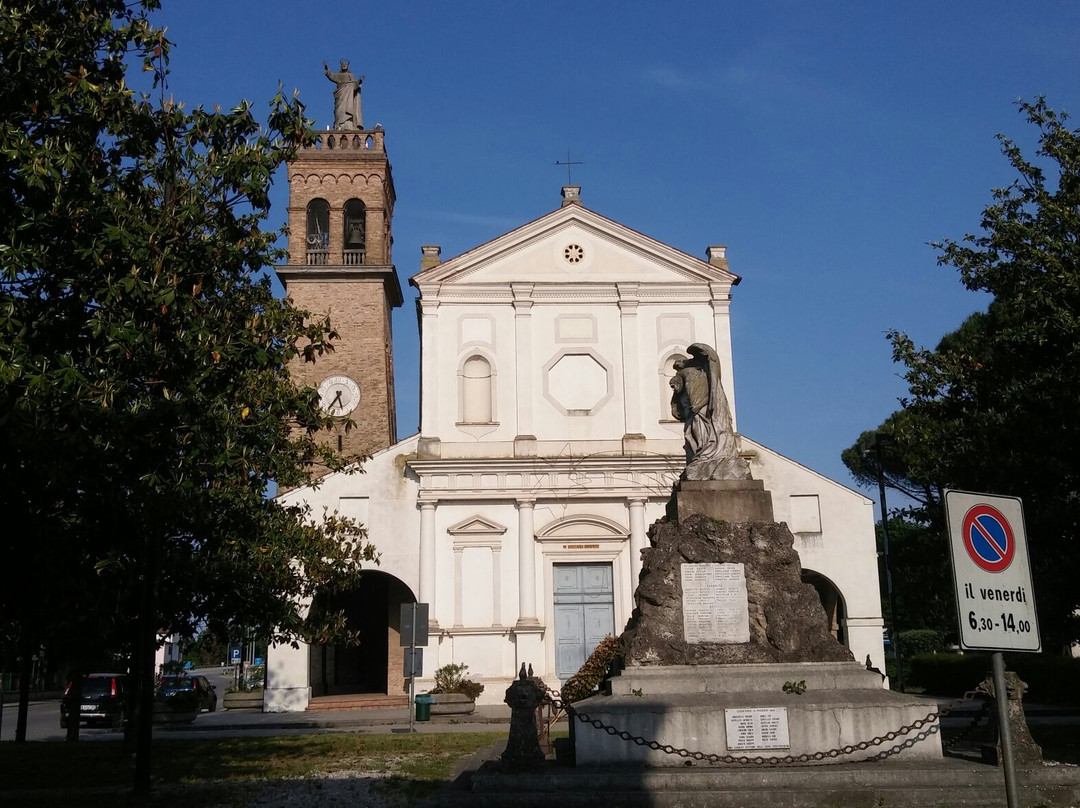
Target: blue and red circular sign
[(988, 538)]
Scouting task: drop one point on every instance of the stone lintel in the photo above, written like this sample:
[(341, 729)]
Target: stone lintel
[(725, 500)]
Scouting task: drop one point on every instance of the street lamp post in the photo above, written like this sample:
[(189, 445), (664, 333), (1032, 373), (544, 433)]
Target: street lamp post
[(879, 441)]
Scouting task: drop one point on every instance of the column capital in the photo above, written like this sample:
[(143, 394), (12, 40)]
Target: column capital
[(525, 502)]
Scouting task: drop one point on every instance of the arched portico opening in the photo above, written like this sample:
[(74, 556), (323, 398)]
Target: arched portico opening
[(373, 663), (831, 599)]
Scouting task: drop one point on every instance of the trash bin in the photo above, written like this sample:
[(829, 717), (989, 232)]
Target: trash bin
[(423, 706)]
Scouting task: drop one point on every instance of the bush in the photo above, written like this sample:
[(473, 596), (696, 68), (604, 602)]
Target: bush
[(595, 670), (946, 674), (921, 641), (451, 679), (1050, 679)]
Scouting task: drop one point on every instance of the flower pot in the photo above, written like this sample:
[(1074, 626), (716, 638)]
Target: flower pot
[(451, 704), (244, 700)]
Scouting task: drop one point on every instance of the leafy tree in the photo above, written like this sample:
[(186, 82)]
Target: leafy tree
[(994, 407), (145, 402), (922, 579)]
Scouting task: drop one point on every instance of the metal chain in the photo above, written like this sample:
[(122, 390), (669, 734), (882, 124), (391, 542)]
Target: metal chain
[(827, 757), (984, 709)]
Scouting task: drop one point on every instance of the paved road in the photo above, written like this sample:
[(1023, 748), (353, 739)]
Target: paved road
[(43, 721), (43, 717)]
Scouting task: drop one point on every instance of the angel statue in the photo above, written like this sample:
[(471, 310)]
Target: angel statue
[(698, 400)]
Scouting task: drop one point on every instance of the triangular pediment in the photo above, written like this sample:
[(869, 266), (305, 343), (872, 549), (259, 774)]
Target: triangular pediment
[(574, 244), (476, 526)]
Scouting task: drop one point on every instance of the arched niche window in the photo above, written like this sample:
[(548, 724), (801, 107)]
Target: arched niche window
[(355, 233), (318, 232), (666, 374), (476, 389)]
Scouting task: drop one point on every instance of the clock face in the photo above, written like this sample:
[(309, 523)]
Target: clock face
[(338, 395)]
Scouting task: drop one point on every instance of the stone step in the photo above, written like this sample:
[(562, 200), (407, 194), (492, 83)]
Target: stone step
[(357, 701), (897, 784)]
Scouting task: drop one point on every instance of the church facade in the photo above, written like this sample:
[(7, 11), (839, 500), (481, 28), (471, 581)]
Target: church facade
[(547, 444)]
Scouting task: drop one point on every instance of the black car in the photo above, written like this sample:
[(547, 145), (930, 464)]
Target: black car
[(103, 700), (183, 693)]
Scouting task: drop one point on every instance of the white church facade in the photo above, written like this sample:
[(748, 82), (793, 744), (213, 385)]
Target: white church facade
[(546, 446)]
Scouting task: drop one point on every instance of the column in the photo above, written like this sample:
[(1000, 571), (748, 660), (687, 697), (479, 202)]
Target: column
[(528, 633), (429, 360), (496, 586), (721, 307), (637, 539), (459, 554), (523, 353), (526, 565), (427, 560), (628, 306)]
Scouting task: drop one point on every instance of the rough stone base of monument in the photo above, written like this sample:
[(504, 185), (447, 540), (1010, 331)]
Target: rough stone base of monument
[(726, 500), (689, 706), (787, 622)]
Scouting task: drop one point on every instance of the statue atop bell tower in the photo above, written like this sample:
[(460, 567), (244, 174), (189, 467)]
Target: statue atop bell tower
[(340, 263), (347, 114)]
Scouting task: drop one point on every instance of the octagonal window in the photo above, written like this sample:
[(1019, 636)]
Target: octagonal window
[(578, 383)]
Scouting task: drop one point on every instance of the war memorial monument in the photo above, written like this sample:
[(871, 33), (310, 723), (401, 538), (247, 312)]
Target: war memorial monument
[(728, 651)]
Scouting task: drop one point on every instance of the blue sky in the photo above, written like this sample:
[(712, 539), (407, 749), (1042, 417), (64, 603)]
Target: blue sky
[(825, 143)]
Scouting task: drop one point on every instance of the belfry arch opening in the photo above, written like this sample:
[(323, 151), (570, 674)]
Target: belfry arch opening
[(831, 600), (371, 662), (354, 236), (318, 232)]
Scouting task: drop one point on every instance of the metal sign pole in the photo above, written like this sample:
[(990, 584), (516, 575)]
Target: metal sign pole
[(988, 545), (412, 672), (1001, 695)]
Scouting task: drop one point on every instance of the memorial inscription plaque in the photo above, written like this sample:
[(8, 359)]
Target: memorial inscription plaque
[(714, 603), (760, 728)]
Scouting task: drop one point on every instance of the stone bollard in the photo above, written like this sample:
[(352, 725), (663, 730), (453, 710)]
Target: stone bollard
[(523, 747), (1025, 751)]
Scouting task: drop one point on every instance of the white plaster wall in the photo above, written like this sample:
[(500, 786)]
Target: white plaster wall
[(453, 348), (393, 527), (548, 421), (844, 551), (394, 522)]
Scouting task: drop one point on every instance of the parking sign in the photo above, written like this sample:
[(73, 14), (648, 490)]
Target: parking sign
[(991, 571)]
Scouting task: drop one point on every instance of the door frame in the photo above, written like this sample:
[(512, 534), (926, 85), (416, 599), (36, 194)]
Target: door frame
[(585, 539), (609, 603)]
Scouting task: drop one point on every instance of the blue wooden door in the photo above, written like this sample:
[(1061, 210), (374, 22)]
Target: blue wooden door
[(584, 613)]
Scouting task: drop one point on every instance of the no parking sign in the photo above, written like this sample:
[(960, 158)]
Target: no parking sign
[(992, 574)]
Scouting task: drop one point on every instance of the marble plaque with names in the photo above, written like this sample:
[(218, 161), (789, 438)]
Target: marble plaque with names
[(757, 728), (714, 603)]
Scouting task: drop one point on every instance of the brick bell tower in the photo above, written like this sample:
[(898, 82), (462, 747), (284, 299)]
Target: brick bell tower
[(341, 202)]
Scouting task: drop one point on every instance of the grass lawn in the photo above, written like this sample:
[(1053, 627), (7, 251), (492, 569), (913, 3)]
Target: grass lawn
[(214, 772)]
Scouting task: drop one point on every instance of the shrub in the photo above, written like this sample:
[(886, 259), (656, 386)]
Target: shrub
[(451, 679), (921, 641), (595, 670), (1050, 679), (946, 674)]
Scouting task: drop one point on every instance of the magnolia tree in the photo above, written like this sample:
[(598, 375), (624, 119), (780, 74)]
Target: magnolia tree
[(145, 400)]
